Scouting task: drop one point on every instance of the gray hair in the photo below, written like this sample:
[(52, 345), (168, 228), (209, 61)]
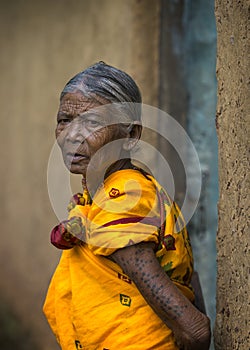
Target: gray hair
[(111, 84)]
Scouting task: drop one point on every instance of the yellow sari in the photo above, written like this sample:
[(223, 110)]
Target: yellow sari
[(91, 304)]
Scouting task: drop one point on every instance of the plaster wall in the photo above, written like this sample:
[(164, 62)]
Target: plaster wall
[(43, 43), (233, 124)]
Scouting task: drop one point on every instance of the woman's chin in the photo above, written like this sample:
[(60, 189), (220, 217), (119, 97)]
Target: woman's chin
[(73, 171), (76, 169)]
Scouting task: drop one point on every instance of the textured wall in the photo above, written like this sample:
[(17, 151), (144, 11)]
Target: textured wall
[(43, 43), (232, 321)]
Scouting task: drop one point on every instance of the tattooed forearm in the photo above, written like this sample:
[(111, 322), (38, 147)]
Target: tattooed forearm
[(175, 310), (150, 279)]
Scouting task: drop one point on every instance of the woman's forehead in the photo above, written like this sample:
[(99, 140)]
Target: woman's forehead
[(76, 103)]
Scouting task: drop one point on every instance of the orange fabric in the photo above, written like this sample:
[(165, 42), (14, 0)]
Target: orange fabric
[(90, 302)]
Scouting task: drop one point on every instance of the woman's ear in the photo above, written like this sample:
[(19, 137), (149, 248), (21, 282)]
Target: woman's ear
[(133, 136)]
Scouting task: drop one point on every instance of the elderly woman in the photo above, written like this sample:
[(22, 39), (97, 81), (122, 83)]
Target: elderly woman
[(123, 281)]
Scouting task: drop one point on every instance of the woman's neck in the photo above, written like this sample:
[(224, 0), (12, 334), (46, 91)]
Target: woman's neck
[(118, 165)]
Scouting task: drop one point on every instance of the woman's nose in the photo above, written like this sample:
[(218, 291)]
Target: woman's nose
[(76, 132)]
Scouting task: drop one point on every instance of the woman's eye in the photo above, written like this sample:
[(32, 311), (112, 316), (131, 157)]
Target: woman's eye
[(63, 121), (93, 123)]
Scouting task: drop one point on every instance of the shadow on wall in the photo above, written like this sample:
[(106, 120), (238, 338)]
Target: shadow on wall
[(12, 334)]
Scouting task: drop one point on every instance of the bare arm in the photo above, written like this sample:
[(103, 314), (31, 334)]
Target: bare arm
[(191, 328)]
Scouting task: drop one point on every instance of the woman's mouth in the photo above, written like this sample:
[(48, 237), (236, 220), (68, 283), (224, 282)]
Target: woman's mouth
[(76, 157)]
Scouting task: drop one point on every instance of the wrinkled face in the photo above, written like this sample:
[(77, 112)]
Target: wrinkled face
[(83, 128)]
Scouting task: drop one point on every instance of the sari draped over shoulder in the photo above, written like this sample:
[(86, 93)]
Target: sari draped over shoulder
[(91, 303)]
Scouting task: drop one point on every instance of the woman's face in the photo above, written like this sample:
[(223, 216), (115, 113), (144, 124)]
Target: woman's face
[(83, 128)]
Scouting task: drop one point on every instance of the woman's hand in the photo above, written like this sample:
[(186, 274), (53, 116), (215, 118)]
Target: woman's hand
[(191, 328)]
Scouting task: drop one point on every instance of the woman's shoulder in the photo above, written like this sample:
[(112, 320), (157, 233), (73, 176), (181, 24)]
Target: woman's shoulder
[(126, 186), (128, 179)]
